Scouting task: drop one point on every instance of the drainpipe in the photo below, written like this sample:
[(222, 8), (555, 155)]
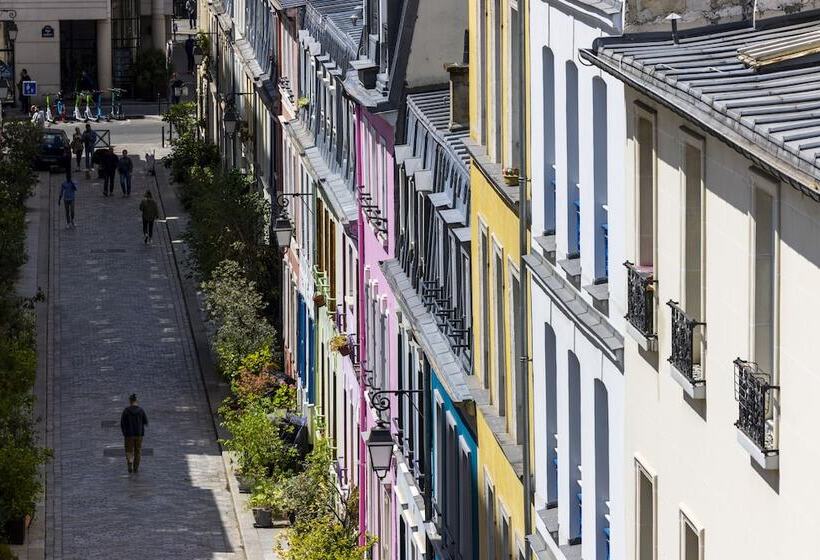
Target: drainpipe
[(523, 223)]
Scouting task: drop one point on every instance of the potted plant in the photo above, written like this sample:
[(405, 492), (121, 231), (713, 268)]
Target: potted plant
[(264, 502), (341, 344), (511, 176)]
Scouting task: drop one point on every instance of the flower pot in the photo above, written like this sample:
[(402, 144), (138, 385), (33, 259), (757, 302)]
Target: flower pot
[(345, 350), (262, 517), (319, 299), (16, 530), (245, 484)]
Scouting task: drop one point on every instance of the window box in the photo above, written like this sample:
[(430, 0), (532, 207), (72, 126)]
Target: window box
[(756, 424), (686, 369), (640, 307)]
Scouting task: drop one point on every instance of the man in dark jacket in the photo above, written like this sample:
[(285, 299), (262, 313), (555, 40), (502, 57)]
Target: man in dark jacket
[(89, 141), (108, 163), (125, 166), (132, 424)]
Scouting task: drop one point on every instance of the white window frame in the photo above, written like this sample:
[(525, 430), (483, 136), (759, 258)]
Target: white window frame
[(687, 521), (642, 470)]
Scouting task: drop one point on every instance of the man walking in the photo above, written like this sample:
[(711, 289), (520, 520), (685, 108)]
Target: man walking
[(150, 212), (25, 100), (190, 6), (109, 162), (124, 167), (189, 53), (132, 424), (89, 140), (68, 192)]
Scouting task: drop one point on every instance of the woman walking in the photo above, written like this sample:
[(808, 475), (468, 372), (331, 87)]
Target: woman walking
[(149, 210), (77, 146)]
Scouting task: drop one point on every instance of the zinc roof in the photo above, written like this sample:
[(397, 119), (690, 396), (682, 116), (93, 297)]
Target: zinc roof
[(773, 112), (433, 109)]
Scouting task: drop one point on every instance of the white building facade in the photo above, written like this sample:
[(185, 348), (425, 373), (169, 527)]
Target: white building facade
[(576, 280), (723, 208)]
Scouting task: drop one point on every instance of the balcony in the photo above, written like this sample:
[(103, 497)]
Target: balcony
[(640, 306), (686, 358), (756, 423)]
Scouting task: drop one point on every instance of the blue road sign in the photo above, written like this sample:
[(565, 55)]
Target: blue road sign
[(29, 88)]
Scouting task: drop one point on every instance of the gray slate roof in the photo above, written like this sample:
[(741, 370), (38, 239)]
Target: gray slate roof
[(338, 12), (772, 113), (433, 109)]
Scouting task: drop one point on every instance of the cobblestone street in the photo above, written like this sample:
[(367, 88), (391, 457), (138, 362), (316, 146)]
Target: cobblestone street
[(120, 326)]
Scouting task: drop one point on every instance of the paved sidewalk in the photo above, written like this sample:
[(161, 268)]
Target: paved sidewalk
[(120, 326)]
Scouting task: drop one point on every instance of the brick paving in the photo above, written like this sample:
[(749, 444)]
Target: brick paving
[(120, 326)]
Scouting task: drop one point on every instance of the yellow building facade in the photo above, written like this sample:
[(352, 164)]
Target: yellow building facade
[(497, 71)]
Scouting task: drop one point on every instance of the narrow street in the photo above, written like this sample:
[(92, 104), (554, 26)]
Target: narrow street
[(119, 326)]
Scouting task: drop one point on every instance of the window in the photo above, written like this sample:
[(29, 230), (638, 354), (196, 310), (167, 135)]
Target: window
[(646, 192), (573, 195), (645, 514), (513, 33), (765, 235), (498, 83), (693, 242), (551, 406), (506, 536), (574, 447), (520, 379), (484, 279), (548, 64), (500, 334), (481, 71), (691, 539), (465, 482), (600, 173), (489, 507)]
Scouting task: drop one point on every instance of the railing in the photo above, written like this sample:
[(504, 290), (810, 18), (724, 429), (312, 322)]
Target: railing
[(449, 542), (640, 304), (683, 344), (754, 392)]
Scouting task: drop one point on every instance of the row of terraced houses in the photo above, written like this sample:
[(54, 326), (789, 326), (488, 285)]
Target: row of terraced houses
[(548, 265)]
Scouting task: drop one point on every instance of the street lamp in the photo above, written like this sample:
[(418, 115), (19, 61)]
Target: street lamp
[(198, 56), (12, 31), (283, 231), (380, 444), (231, 120)]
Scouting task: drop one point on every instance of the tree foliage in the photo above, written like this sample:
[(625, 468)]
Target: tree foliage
[(20, 454)]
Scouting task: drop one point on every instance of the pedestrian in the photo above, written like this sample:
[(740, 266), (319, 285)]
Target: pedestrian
[(190, 7), (109, 163), (150, 212), (68, 194), (77, 146), (189, 52), (125, 166), (132, 424), (38, 117), (176, 88), (89, 141), (25, 100)]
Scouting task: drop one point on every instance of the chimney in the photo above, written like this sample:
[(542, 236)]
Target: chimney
[(459, 96)]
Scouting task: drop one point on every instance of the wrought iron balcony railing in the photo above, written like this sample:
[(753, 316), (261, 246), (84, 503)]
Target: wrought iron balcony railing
[(685, 355), (640, 304), (754, 394)]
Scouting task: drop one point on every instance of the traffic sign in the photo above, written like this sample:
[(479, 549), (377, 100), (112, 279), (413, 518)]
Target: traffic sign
[(29, 88)]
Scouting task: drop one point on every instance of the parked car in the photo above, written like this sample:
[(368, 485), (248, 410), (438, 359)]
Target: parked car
[(54, 149)]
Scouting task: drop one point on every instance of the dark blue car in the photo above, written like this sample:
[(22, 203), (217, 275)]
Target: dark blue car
[(54, 149)]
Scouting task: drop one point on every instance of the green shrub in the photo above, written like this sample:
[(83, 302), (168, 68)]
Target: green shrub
[(260, 444), (236, 308)]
